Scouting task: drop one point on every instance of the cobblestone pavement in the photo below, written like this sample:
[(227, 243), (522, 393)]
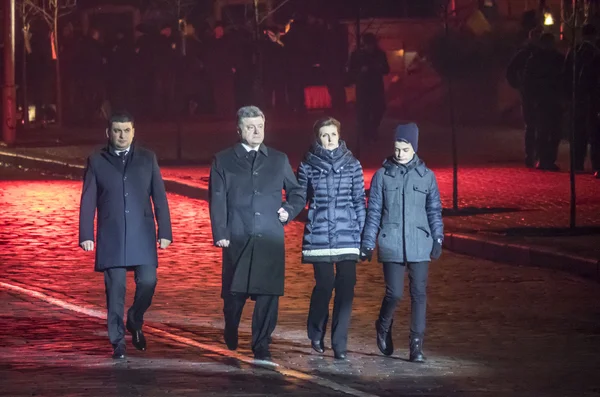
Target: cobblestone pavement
[(481, 339)]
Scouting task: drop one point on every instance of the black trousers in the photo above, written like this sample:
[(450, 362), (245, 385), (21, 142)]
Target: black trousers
[(394, 287), (587, 131), (115, 284), (369, 116), (343, 281), (264, 318), (528, 109), (548, 132)]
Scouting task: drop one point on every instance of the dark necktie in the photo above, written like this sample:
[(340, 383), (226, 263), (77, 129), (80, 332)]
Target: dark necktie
[(122, 156)]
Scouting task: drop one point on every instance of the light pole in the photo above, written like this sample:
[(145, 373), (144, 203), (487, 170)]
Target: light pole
[(358, 130), (9, 104), (573, 197), (450, 96)]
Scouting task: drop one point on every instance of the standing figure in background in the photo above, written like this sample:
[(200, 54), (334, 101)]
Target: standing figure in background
[(367, 67), (515, 76), (543, 84), (587, 96)]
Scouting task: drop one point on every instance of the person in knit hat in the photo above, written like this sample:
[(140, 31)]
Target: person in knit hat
[(404, 218)]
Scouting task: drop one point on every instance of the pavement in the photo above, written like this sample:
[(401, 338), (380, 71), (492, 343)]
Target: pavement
[(506, 212), (481, 339)]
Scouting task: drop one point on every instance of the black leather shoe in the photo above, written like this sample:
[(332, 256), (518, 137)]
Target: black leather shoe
[(318, 346), (231, 338), (384, 339), (119, 352), (263, 354), (416, 350), (137, 338), (341, 355)]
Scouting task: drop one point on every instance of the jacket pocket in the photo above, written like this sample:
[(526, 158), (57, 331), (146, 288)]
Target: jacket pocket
[(389, 241), (391, 196), (420, 195), (425, 230)]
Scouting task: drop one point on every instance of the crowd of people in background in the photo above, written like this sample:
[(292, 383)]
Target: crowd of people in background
[(171, 70), (547, 80)]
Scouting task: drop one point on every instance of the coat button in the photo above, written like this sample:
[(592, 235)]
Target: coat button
[(255, 173), (126, 194), (256, 192), (257, 213), (124, 178), (383, 235), (260, 235), (127, 211)]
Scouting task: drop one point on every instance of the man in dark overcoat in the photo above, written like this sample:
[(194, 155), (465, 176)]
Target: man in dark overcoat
[(247, 214), (122, 182)]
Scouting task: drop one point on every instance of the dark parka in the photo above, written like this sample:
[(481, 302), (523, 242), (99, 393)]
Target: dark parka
[(335, 188), (405, 211), (124, 195), (244, 199)]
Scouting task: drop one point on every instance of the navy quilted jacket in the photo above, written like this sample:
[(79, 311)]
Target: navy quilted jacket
[(335, 190)]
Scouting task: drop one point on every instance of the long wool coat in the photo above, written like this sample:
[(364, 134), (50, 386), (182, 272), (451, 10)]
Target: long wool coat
[(123, 195), (244, 198)]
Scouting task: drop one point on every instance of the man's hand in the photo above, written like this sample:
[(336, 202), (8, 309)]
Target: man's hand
[(283, 215), (222, 243), (163, 243), (87, 245), (436, 251)]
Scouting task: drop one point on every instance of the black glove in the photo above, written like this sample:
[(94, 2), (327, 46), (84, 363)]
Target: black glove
[(436, 251), (366, 254)]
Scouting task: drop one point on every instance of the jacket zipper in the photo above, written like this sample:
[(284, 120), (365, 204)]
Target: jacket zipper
[(403, 220)]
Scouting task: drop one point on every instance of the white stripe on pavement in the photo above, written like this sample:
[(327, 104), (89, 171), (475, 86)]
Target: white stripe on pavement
[(188, 341), (41, 159)]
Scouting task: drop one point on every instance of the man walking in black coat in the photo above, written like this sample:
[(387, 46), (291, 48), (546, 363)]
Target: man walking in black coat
[(122, 182), (247, 214)]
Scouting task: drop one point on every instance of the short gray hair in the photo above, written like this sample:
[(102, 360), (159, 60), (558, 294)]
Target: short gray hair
[(247, 112)]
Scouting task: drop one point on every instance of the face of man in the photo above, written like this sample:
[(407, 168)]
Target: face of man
[(329, 137), (121, 135), (252, 131), (403, 152)]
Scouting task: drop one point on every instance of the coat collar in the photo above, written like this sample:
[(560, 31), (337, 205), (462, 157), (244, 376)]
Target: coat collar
[(325, 160), (109, 149), (240, 152), (391, 167)]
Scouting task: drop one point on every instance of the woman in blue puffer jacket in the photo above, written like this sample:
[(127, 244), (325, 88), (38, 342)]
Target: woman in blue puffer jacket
[(335, 188)]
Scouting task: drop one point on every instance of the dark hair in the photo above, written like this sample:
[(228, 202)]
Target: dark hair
[(588, 30), (119, 117), (369, 39), (324, 122), (547, 38)]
